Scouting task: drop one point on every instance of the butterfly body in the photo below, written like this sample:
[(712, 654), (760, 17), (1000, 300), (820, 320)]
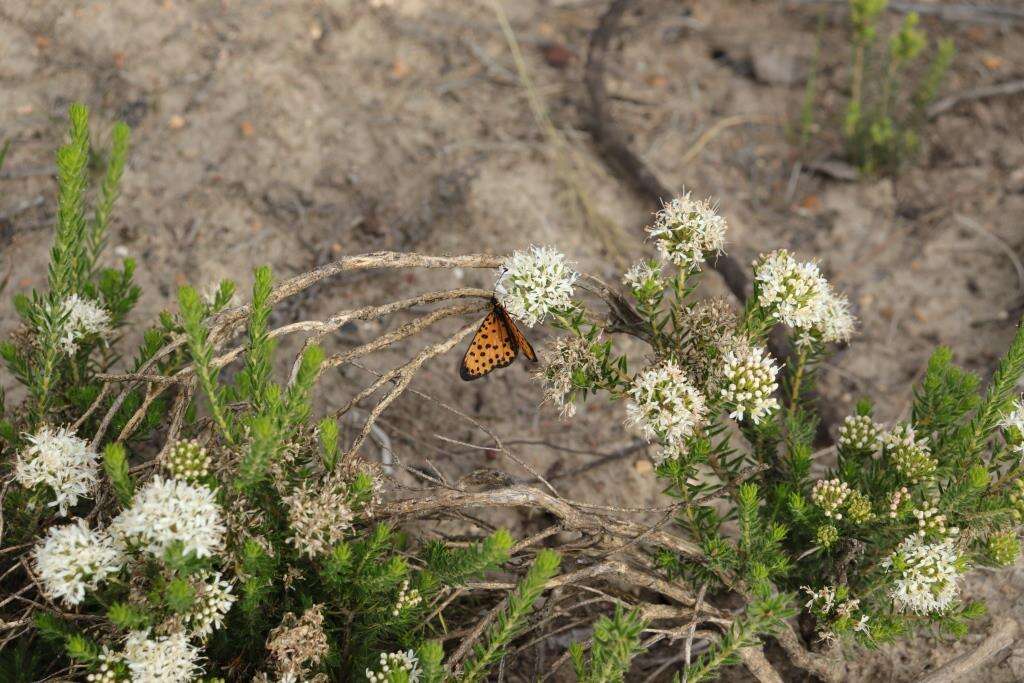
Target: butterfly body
[(496, 344)]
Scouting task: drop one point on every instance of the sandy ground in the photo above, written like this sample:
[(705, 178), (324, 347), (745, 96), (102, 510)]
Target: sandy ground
[(293, 132)]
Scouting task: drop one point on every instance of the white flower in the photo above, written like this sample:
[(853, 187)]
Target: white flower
[(534, 283), (84, 319), (107, 671), (169, 511), (687, 231), (1013, 425), (829, 495), (860, 433), (643, 276), (568, 361), (394, 662), (407, 598), (188, 460), (319, 516), (837, 324), (794, 291), (931, 523), (213, 601), (73, 558), (748, 383), (925, 574), (1015, 418), (664, 405), (61, 461), (822, 599), (163, 659), (909, 455), (299, 643)]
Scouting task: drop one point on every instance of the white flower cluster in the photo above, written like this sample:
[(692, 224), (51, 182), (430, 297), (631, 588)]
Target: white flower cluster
[(826, 605), (796, 293), (299, 643), (899, 497), (72, 558), (407, 598), (84, 319), (644, 277), (565, 360), (160, 659), (188, 460), (213, 601), (860, 433), (687, 231), (925, 574), (61, 461), (394, 662), (829, 495), (319, 516), (106, 673), (909, 455), (1013, 424), (534, 283), (169, 511), (931, 523), (664, 405), (749, 383)]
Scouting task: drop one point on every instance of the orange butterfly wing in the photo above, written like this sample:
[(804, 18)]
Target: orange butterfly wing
[(492, 347), (520, 339)]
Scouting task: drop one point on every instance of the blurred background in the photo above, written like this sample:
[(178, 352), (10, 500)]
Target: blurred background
[(291, 133)]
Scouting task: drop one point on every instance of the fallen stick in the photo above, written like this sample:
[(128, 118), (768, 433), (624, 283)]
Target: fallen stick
[(1003, 634), (982, 93)]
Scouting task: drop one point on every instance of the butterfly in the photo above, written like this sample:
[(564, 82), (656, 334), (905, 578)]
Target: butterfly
[(495, 345)]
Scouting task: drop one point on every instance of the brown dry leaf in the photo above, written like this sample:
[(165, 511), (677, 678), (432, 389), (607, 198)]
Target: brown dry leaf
[(556, 55), (993, 62), (247, 128), (811, 202), (42, 42), (119, 59), (643, 466), (977, 33), (657, 81), (399, 69)]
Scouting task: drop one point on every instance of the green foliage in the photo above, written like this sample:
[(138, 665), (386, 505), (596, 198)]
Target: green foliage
[(430, 655), (455, 566), (616, 642), (764, 615), (327, 431), (109, 190), (308, 552), (128, 617), (193, 313), (115, 464), (76, 645), (512, 620), (887, 112), (39, 360)]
